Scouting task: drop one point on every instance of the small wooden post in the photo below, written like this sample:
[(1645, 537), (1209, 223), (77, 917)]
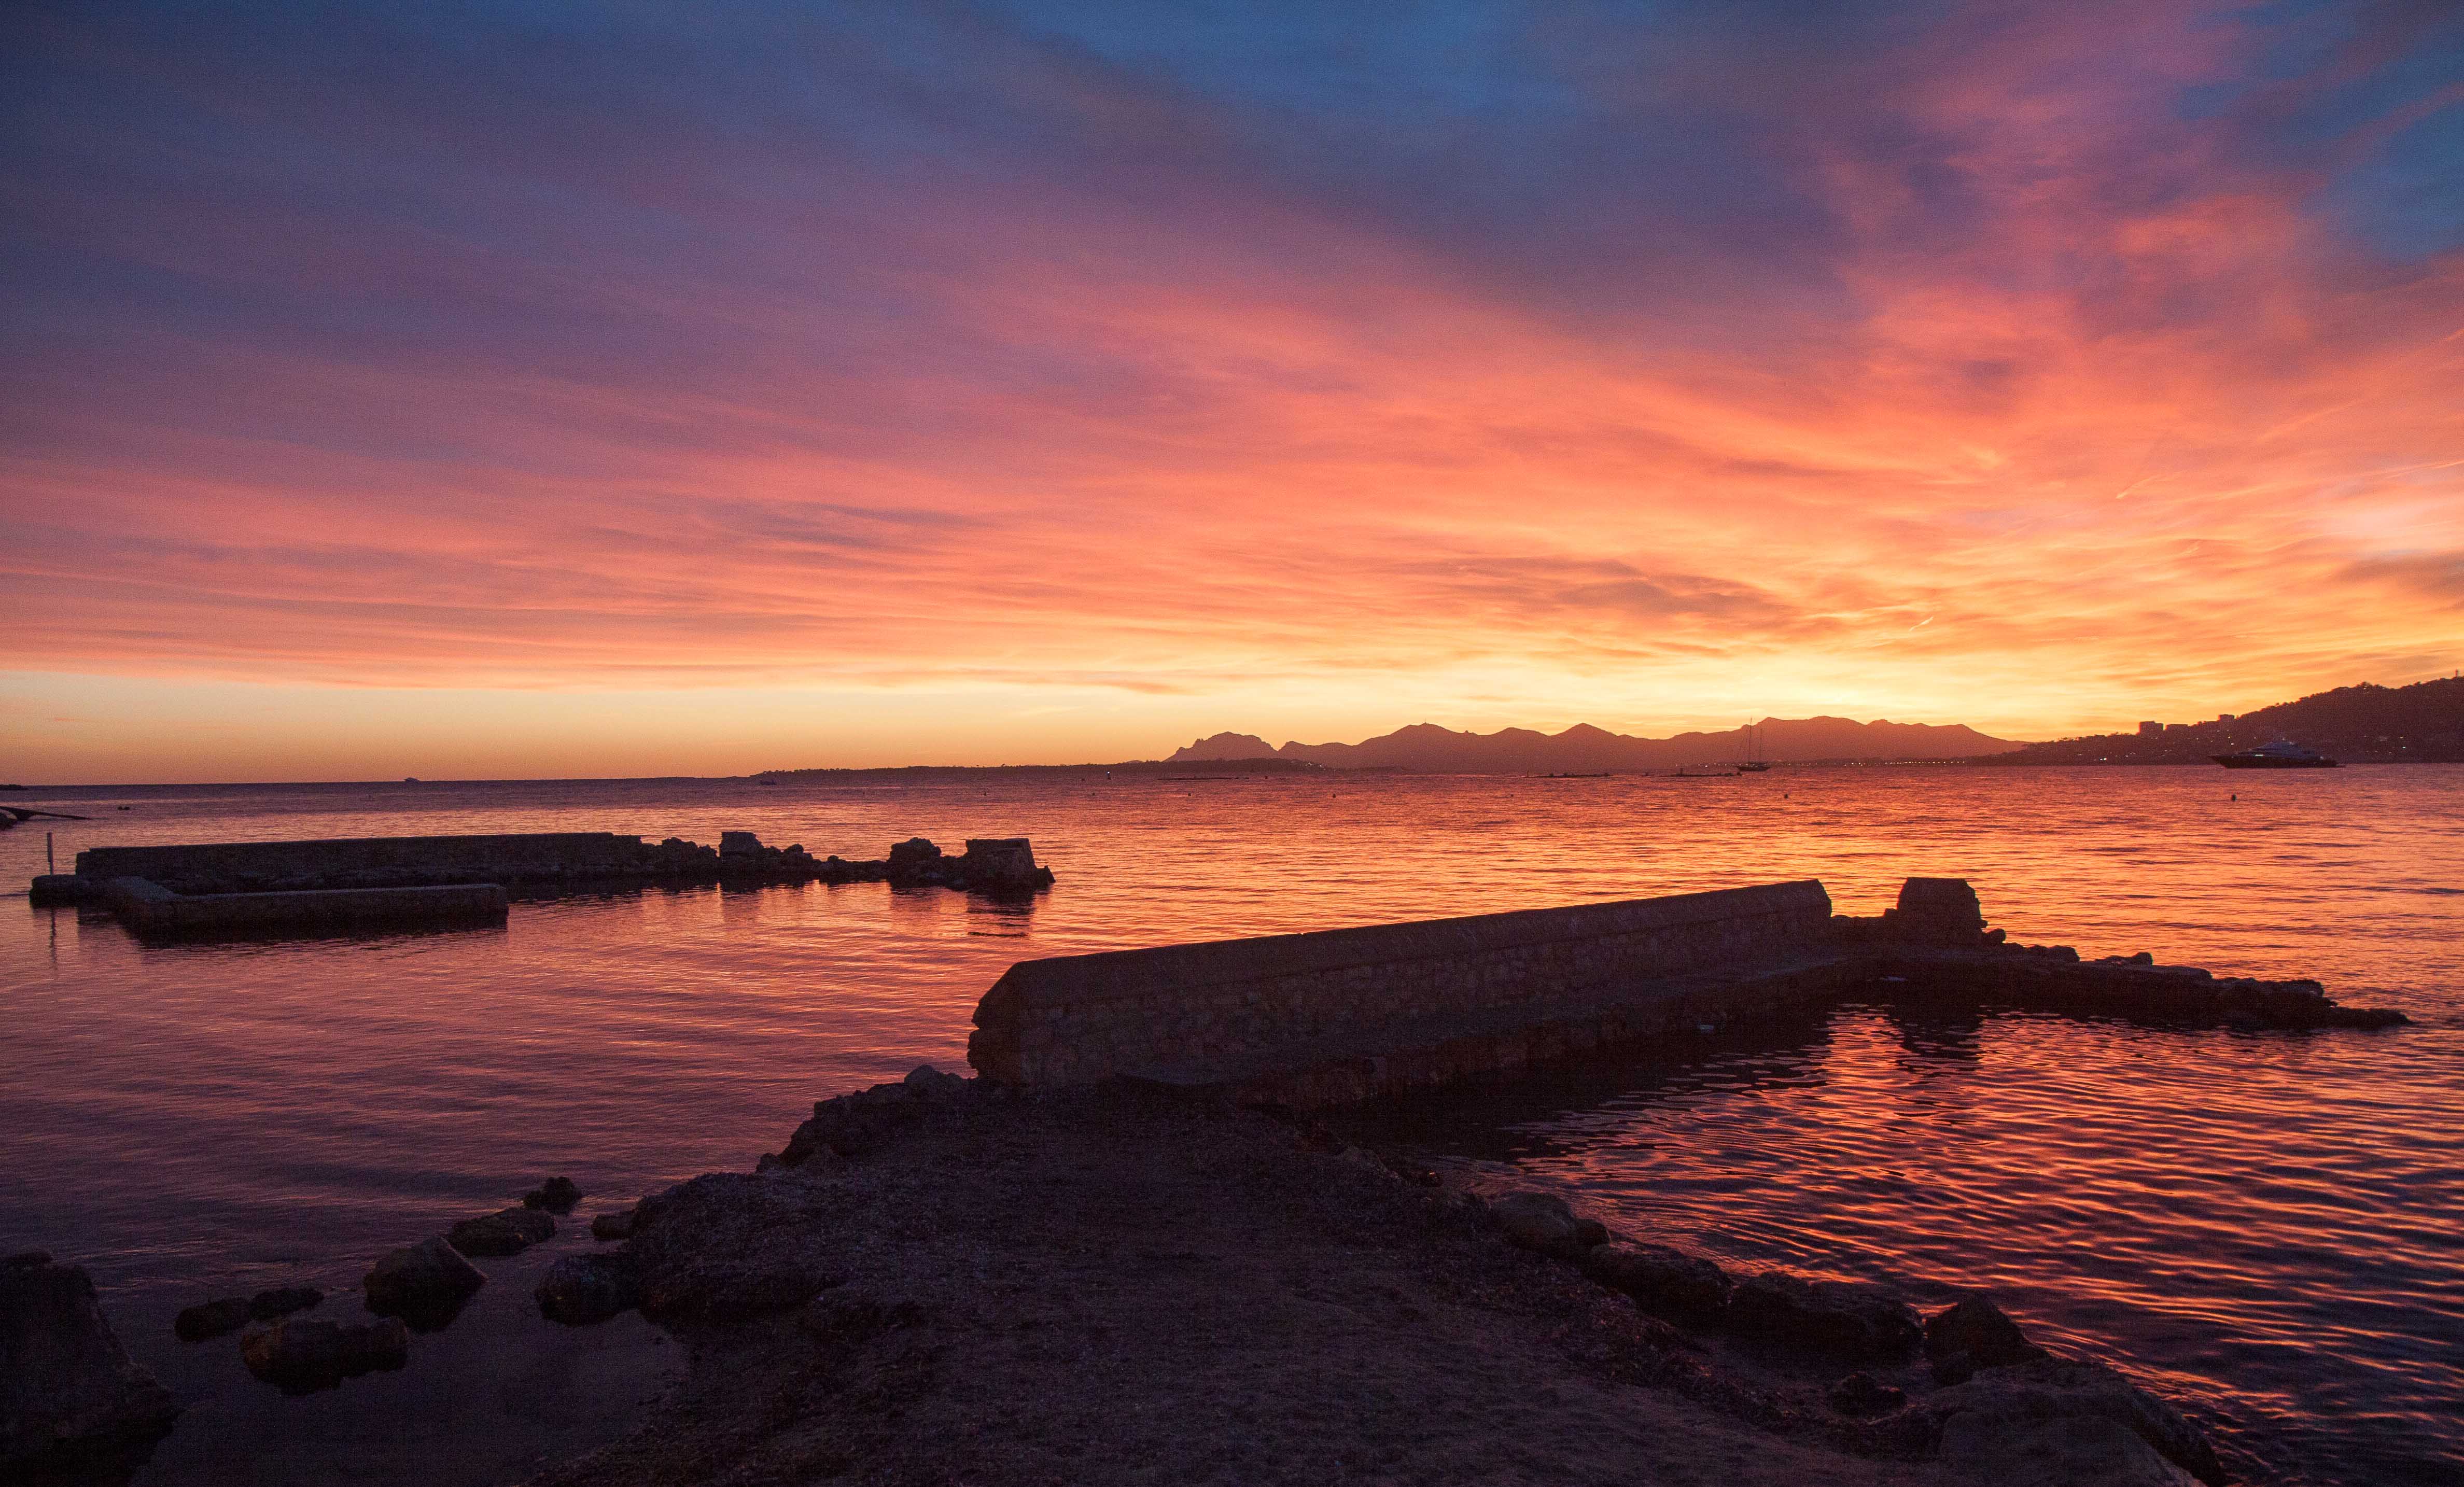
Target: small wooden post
[(50, 865)]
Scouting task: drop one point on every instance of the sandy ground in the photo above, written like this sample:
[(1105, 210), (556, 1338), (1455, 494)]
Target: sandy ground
[(1104, 1289)]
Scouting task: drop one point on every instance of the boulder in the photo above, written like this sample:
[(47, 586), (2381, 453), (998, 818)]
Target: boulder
[(302, 1354), (1828, 1317), (1861, 1396), (210, 1318), (282, 1302), (615, 1224), (506, 1231), (1972, 1334), (1939, 911), (2060, 1422), (738, 843), (931, 1083), (425, 1283), (557, 1195), (912, 856), (581, 1289), (70, 1396), (1664, 1283), (857, 1124), (1538, 1222), (1001, 862)]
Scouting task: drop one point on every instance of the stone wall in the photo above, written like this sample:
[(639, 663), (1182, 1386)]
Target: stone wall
[(154, 911), (253, 864), (1436, 996)]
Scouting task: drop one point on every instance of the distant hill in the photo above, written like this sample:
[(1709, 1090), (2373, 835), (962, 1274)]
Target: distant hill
[(2366, 724), (924, 774), (1587, 750)]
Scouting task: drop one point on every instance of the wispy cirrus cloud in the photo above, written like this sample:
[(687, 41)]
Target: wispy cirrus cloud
[(1653, 367)]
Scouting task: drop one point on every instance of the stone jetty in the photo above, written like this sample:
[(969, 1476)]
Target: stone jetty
[(237, 889), (1343, 1016)]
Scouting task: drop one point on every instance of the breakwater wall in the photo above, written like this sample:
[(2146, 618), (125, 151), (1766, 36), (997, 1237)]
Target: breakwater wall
[(154, 911), (1339, 1014), (258, 866), (1343, 1016)]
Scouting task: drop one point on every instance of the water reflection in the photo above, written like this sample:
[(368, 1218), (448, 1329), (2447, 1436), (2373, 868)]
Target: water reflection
[(2271, 1226)]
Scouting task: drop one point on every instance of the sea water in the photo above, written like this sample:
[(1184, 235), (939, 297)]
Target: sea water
[(2267, 1226)]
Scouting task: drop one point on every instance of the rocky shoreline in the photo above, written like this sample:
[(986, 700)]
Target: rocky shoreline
[(943, 1279)]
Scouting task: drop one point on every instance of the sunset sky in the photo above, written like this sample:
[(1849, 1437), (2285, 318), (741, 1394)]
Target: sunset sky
[(548, 390)]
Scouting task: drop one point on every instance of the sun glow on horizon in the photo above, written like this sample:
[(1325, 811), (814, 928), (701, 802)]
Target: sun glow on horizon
[(1044, 393)]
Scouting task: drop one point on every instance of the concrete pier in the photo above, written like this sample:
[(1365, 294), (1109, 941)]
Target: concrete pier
[(1348, 1015), (154, 911)]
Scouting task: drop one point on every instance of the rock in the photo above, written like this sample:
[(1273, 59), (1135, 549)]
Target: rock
[(738, 843), (506, 1231), (302, 1355), (1663, 1283), (1590, 1232), (1939, 911), (1539, 1221), (2060, 1422), (855, 1125), (1972, 1334), (70, 1397), (733, 1295), (849, 1317), (425, 1283), (1001, 862), (1861, 1397), (615, 1224), (581, 1289), (932, 1084), (557, 1195), (1827, 1316), (913, 857), (210, 1318), (282, 1302)]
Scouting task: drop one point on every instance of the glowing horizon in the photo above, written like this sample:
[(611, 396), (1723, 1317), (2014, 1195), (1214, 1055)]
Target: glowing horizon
[(709, 393)]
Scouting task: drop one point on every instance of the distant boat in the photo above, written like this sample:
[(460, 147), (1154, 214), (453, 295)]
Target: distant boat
[(1755, 763), (2282, 755), (410, 779)]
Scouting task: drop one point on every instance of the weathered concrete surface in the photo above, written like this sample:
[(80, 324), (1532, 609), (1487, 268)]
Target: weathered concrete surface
[(1431, 999), (1348, 1015), (149, 910), (535, 863)]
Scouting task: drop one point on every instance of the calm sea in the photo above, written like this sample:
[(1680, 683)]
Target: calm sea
[(2268, 1227)]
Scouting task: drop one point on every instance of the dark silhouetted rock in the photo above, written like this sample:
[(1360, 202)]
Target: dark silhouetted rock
[(615, 1224), (505, 1232), (1536, 1222), (913, 857), (1828, 1317), (210, 1318), (2060, 1423), (423, 1283), (1974, 1334), (70, 1398), (738, 843), (1939, 911), (557, 1195), (854, 1126), (1663, 1283), (282, 1302), (581, 1289), (931, 1083), (1861, 1397), (302, 1354)]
